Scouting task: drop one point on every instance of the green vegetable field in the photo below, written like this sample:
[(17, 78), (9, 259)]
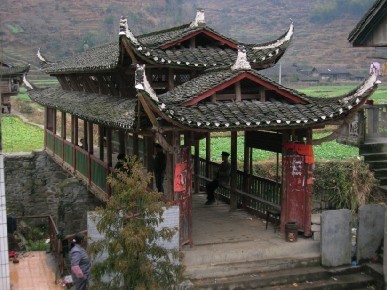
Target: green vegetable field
[(18, 136)]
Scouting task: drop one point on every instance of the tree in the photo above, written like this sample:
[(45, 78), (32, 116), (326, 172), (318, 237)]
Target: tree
[(130, 222)]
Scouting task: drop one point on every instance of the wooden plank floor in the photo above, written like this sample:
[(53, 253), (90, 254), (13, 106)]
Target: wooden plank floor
[(35, 270)]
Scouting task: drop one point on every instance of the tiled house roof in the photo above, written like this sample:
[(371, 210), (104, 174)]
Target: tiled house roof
[(147, 48), (101, 58), (370, 20), (7, 71), (254, 114), (208, 81), (259, 55), (102, 109)]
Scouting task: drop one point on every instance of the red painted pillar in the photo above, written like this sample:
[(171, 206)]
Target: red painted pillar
[(297, 186)]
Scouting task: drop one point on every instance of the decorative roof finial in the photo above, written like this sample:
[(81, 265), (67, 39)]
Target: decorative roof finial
[(199, 19), (124, 30), (141, 82), (241, 61)]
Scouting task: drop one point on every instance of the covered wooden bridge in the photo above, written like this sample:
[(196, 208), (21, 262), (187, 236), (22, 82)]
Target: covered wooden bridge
[(176, 87)]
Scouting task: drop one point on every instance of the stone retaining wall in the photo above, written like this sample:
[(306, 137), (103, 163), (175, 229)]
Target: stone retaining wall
[(36, 185)]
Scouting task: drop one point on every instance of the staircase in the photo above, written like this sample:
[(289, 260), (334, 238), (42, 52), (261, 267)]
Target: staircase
[(374, 152)]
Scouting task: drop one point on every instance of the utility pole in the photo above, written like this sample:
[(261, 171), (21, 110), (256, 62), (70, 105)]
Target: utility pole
[(5, 282)]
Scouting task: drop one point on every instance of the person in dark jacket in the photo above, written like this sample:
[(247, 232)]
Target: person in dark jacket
[(80, 263), (159, 165), (222, 177)]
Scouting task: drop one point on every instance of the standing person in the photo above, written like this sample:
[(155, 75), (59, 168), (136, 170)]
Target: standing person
[(80, 263), (159, 165), (222, 177)]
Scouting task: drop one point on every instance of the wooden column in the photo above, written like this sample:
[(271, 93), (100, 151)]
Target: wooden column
[(63, 126), (85, 137), (101, 142), (54, 121), (208, 154), (72, 130), (121, 138), (109, 147), (171, 81), (262, 95), (233, 195), (196, 167), (246, 171), (76, 129), (135, 144), (238, 91), (149, 150), (90, 137)]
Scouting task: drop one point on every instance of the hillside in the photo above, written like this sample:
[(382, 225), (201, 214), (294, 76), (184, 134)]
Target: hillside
[(60, 28)]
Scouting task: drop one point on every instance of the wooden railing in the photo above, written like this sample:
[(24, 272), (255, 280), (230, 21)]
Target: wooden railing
[(79, 162), (255, 194), (59, 244)]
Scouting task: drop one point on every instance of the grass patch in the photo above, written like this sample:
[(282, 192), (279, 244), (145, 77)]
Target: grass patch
[(326, 151), (379, 97), (18, 136)]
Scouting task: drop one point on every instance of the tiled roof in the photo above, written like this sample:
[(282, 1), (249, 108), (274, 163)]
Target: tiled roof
[(254, 114), (7, 71), (203, 83), (102, 109), (99, 58), (160, 38), (370, 19), (259, 55), (106, 57)]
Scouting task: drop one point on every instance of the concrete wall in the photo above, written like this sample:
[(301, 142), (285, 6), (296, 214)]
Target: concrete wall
[(36, 185)]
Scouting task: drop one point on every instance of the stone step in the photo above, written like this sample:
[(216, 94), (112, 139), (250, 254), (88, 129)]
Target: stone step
[(216, 271), (383, 180), (350, 281), (378, 164), (249, 251), (380, 172), (315, 277), (374, 156), (372, 148), (383, 188)]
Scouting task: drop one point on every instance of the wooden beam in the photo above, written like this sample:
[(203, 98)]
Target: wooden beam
[(147, 110), (128, 49)]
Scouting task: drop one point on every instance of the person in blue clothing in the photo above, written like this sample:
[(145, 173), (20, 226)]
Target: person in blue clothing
[(80, 263)]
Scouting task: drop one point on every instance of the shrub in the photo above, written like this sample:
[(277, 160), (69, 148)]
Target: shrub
[(344, 184)]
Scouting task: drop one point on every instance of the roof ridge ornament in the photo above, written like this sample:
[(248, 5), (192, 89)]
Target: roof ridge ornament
[(124, 30), (281, 41), (141, 82), (367, 84), (199, 19), (241, 61), (42, 58)]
